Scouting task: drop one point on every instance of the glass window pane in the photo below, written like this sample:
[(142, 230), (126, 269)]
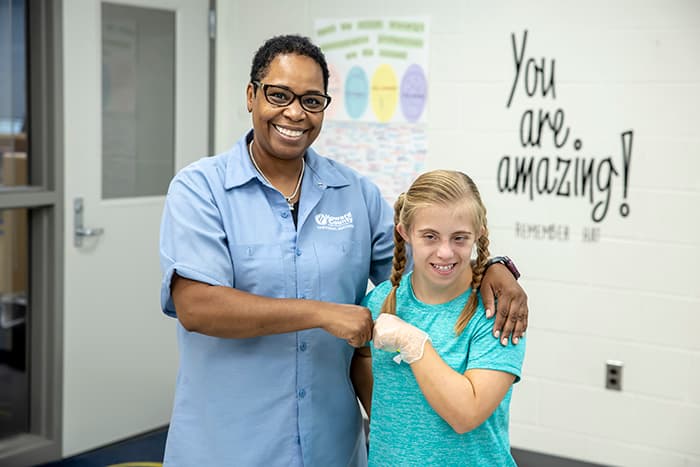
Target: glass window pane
[(14, 375), (13, 92), (138, 100)]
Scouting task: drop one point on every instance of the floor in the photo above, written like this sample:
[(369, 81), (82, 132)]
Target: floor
[(147, 451), (141, 451)]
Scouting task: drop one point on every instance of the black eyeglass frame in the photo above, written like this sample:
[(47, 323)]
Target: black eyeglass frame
[(263, 87)]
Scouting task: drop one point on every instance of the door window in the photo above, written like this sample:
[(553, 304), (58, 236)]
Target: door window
[(138, 100)]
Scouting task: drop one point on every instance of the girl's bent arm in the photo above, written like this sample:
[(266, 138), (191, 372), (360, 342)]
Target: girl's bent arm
[(464, 401)]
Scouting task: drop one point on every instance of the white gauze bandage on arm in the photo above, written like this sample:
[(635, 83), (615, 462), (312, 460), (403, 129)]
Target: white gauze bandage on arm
[(393, 334)]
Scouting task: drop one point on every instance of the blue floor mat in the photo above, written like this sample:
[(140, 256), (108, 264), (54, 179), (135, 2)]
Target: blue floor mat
[(146, 449)]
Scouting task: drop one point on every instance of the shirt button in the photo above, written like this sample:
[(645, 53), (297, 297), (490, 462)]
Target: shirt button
[(298, 252), (285, 214), (302, 394), (302, 346)]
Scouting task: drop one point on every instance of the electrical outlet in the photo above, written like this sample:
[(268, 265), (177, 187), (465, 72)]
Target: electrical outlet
[(613, 375)]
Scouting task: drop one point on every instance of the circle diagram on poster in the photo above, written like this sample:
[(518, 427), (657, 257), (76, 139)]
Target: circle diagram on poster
[(414, 90), (356, 92), (384, 93)]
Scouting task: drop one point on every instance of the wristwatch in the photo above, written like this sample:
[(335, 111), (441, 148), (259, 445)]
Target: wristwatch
[(507, 262)]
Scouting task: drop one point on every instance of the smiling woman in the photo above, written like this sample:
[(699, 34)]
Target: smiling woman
[(283, 126), (272, 297)]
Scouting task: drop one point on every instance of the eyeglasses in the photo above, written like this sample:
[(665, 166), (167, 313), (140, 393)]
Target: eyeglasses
[(281, 96)]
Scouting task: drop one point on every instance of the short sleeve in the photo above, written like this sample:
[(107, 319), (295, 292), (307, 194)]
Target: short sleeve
[(192, 236), (486, 352)]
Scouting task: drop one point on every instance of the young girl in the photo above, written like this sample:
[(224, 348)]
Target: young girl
[(442, 383)]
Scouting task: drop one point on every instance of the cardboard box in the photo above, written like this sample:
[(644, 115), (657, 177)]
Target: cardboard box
[(14, 252), (15, 142), (14, 169)]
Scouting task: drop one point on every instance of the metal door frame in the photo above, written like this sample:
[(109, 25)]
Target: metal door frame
[(44, 201)]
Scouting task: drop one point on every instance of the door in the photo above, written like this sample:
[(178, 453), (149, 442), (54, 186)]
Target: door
[(136, 110)]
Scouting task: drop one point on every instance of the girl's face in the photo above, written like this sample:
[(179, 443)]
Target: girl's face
[(441, 239)]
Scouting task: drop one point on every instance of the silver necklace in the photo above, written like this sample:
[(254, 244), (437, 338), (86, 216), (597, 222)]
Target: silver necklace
[(296, 190)]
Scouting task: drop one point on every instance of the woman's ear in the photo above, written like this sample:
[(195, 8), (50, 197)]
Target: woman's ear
[(249, 95)]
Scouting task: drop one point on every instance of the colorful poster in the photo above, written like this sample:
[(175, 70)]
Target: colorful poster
[(378, 82)]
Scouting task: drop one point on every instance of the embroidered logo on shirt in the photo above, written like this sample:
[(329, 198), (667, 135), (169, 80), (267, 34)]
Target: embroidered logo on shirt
[(328, 222)]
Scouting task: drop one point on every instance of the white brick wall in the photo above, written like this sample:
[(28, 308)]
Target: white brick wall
[(632, 296)]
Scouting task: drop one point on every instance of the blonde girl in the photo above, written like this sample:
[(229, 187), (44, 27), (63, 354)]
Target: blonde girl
[(442, 383)]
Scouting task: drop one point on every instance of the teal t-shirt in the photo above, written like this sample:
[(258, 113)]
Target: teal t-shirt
[(404, 429)]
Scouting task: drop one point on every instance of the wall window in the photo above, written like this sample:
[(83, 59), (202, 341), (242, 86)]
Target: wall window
[(14, 253)]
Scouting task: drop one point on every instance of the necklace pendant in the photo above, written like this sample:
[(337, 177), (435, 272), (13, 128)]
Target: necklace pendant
[(291, 206)]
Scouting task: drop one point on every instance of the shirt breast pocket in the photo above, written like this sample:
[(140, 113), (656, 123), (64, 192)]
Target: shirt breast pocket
[(259, 269), (344, 271)]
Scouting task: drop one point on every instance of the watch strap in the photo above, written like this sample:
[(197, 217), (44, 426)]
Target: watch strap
[(507, 262)]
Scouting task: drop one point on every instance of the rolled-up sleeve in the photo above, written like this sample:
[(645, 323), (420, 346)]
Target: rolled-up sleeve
[(192, 236)]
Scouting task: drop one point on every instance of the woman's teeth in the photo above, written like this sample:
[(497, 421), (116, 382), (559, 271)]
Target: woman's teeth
[(288, 132)]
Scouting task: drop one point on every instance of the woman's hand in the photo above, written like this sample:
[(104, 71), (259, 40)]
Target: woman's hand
[(511, 310)]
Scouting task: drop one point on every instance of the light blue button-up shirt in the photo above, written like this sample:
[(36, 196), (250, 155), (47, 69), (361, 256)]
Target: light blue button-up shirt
[(285, 399)]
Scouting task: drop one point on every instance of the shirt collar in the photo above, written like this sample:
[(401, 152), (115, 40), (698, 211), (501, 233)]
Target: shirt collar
[(240, 169)]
